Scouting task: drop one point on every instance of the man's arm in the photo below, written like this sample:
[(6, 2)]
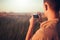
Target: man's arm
[(30, 30), (29, 33)]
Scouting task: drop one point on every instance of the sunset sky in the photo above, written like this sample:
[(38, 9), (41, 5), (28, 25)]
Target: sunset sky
[(21, 5)]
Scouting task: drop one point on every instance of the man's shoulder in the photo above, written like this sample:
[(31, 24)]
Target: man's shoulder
[(49, 24), (49, 27)]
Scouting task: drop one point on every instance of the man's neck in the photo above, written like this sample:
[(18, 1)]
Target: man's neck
[(52, 15)]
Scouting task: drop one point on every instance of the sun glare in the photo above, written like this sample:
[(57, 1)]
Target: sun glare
[(22, 5)]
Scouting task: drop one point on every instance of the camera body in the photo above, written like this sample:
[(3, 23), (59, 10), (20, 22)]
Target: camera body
[(36, 16)]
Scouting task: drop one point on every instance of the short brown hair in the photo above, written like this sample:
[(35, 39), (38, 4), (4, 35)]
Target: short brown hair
[(54, 4)]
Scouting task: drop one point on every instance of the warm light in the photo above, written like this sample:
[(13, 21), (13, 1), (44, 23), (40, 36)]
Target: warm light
[(21, 5)]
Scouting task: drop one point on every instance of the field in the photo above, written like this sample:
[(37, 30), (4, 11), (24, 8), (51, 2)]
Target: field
[(13, 24)]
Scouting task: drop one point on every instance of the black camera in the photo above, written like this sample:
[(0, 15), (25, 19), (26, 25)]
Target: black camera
[(36, 16)]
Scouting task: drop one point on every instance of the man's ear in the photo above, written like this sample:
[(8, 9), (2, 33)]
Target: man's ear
[(46, 6)]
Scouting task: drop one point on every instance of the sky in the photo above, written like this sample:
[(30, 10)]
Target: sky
[(21, 5)]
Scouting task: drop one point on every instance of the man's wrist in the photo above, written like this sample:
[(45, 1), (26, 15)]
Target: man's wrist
[(32, 24)]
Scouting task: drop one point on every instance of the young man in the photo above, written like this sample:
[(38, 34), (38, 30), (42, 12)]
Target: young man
[(48, 29)]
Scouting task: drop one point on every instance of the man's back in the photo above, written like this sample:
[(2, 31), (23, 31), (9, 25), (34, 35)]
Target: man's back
[(47, 31)]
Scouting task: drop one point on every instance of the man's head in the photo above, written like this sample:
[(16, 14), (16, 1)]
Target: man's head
[(51, 5)]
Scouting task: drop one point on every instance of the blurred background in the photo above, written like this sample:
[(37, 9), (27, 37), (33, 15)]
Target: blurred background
[(15, 15)]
